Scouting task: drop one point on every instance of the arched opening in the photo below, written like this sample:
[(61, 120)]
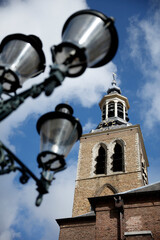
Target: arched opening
[(120, 109), (111, 109), (106, 189), (118, 158), (101, 161)]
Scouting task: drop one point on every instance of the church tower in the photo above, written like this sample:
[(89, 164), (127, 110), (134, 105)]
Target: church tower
[(112, 158)]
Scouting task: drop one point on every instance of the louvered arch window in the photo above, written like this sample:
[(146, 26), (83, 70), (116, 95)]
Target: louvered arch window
[(118, 158), (101, 161), (111, 109), (120, 109), (104, 112)]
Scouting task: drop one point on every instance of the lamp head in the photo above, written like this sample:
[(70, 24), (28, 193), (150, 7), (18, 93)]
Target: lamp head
[(21, 57), (92, 38), (59, 130)]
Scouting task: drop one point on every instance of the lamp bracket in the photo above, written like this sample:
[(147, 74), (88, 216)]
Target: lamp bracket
[(10, 163), (56, 77)]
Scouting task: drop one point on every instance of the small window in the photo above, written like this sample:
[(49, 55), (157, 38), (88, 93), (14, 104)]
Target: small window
[(101, 161), (120, 109), (111, 109), (118, 158)]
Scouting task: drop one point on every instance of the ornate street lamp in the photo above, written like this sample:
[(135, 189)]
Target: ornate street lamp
[(59, 131), (89, 39)]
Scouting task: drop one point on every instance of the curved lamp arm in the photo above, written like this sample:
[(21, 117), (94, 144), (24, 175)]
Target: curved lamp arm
[(56, 77), (7, 165)]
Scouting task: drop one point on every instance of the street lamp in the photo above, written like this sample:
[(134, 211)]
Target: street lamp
[(89, 39)]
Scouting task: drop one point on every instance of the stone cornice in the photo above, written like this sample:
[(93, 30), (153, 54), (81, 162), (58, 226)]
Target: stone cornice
[(112, 96)]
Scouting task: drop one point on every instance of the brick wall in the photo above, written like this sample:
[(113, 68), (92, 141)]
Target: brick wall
[(106, 222), (141, 215), (77, 229), (90, 187)]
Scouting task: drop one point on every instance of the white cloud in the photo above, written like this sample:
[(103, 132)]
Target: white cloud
[(87, 89), (10, 235), (89, 126), (9, 206), (144, 38)]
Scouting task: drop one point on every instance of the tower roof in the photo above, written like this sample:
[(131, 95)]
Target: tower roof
[(114, 88), (114, 107)]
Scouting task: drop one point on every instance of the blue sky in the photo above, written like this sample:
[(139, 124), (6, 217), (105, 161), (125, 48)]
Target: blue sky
[(137, 67)]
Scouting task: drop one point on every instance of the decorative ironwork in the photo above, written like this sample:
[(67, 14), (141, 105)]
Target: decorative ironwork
[(106, 124), (10, 163)]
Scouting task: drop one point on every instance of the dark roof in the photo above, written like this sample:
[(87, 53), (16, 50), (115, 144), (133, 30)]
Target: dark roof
[(114, 88), (147, 188), (91, 213), (90, 216)]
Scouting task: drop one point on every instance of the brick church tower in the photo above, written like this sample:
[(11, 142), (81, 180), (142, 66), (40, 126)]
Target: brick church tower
[(113, 200), (112, 158)]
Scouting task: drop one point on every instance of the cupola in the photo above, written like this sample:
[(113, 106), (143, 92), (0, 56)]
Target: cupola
[(114, 107)]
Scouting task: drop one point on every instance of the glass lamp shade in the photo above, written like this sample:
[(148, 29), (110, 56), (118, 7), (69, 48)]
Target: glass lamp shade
[(58, 130), (21, 57), (93, 32)]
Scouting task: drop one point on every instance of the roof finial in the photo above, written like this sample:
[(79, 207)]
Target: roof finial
[(114, 87), (114, 79)]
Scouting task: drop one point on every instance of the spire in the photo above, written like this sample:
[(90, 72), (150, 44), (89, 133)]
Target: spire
[(114, 87)]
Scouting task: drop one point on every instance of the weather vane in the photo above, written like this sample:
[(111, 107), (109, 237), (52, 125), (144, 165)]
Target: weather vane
[(114, 78)]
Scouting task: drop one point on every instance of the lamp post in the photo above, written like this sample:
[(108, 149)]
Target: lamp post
[(89, 39)]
